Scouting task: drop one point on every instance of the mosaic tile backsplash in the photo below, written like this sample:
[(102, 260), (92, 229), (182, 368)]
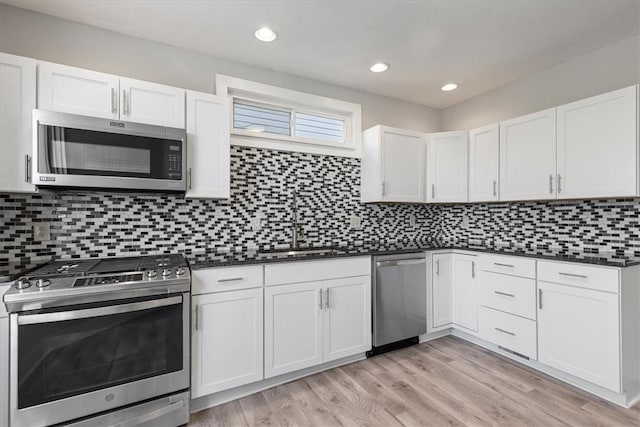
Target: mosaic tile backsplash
[(262, 183)]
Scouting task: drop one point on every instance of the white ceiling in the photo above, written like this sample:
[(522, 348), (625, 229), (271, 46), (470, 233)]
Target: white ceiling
[(478, 44)]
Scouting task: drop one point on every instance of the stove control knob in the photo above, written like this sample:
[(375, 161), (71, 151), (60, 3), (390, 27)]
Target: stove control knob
[(22, 284), (151, 274), (166, 272), (180, 271), (43, 283)]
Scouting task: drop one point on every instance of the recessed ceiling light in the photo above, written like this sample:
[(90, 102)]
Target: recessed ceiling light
[(265, 34), (379, 67), (448, 87)]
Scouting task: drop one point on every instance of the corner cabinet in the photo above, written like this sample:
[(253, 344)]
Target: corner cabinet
[(598, 146), (313, 316), (442, 290), (90, 93), (484, 164), (465, 292), (393, 165), (208, 146), (528, 157), (447, 167), (17, 100)]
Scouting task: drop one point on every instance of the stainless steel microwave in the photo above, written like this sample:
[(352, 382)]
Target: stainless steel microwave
[(78, 151)]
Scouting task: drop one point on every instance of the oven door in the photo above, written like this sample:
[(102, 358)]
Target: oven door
[(79, 151), (74, 363)]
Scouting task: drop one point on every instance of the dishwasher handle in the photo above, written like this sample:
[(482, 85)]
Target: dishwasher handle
[(393, 263)]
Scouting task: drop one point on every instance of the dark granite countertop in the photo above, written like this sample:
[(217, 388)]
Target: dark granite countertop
[(12, 270), (220, 258)]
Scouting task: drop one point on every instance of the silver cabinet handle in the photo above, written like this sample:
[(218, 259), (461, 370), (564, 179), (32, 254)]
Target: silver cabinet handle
[(231, 279), (505, 332), (550, 183), (392, 263), (27, 168), (503, 265), (495, 187), (438, 267), (383, 189), (320, 295), (540, 299), (326, 303), (559, 183), (473, 269), (433, 191), (114, 106), (196, 318), (125, 106), (579, 276), (504, 294), (189, 178)]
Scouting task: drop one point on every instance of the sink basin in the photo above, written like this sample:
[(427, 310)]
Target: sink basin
[(300, 251)]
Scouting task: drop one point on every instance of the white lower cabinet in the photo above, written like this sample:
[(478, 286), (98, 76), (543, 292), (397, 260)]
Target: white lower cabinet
[(227, 340), (579, 333), (509, 331), (442, 290), (465, 292)]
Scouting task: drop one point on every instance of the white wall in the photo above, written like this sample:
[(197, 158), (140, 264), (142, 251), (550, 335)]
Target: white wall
[(612, 67), (52, 39)]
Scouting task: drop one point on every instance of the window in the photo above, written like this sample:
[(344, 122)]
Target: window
[(276, 118)]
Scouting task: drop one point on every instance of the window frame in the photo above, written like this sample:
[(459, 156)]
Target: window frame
[(294, 102)]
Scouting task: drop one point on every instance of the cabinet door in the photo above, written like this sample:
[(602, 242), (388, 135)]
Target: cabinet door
[(227, 341), (403, 164), (151, 103), (528, 157), (578, 333), (208, 146), (465, 292), (293, 327), (597, 146), (17, 100), (447, 167), (347, 317), (442, 290), (4, 371), (484, 160), (77, 91)]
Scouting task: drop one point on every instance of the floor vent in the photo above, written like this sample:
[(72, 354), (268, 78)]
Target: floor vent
[(522, 356)]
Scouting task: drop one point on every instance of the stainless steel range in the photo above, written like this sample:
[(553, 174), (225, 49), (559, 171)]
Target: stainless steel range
[(101, 342)]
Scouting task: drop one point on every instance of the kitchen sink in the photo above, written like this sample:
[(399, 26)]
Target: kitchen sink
[(300, 251)]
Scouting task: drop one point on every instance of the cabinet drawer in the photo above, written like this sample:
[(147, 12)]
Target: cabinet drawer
[(515, 266), (580, 275), (514, 295), (508, 331), (226, 279), (3, 289), (313, 271)]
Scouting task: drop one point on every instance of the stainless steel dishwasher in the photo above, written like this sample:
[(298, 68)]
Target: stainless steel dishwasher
[(399, 300)]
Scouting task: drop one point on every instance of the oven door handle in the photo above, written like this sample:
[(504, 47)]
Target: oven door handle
[(60, 316)]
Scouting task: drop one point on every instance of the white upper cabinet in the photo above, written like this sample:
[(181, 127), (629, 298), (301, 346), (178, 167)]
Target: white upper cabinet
[(393, 165), (151, 103), (528, 157), (598, 146), (447, 167), (484, 163), (77, 91), (208, 146), (17, 100)]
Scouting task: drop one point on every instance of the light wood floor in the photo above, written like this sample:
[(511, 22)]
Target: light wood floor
[(445, 382)]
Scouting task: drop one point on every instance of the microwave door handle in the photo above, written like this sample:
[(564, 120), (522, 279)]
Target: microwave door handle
[(31, 319)]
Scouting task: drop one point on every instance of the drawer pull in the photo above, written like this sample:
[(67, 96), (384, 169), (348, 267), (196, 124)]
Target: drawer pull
[(579, 276), (504, 294), (505, 332), (503, 265), (232, 279)]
